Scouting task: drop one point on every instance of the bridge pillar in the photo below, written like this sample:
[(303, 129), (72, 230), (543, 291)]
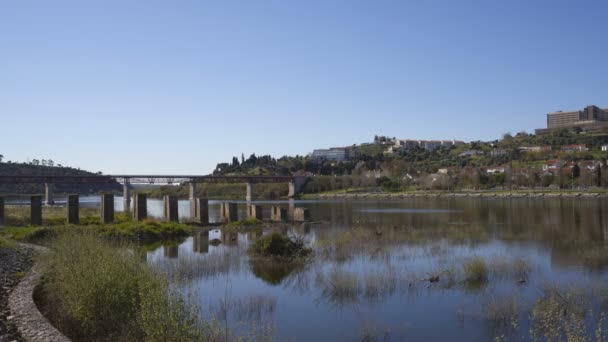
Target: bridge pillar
[(73, 214), (228, 212), (1, 209), (36, 210), (107, 207), (255, 212), (199, 210), (278, 214), (296, 185), (48, 194), (249, 195), (170, 213), (140, 206), (301, 215), (292, 208), (200, 242), (126, 196)]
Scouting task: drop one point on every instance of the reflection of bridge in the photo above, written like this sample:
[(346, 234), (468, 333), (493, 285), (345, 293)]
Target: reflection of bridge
[(295, 183)]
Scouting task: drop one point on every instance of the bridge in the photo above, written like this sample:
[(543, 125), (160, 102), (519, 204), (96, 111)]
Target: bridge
[(295, 183)]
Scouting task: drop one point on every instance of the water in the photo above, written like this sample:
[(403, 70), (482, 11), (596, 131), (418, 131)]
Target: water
[(415, 238)]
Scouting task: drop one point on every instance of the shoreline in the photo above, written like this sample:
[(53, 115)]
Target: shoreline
[(463, 194)]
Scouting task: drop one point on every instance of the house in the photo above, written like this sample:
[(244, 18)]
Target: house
[(590, 165), (575, 148), (605, 148), (470, 153), (535, 148), (551, 165), (495, 169), (499, 152)]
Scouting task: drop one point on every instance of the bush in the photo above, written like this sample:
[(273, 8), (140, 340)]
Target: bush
[(279, 246), (105, 292), (475, 270)]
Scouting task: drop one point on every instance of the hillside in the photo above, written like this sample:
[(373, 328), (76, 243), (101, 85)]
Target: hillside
[(24, 169)]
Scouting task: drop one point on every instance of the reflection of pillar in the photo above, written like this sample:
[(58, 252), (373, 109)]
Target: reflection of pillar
[(249, 195), (170, 213), (73, 209), (278, 214), (229, 238), (1, 209), (200, 242), (107, 208), (126, 196), (140, 206), (292, 208), (255, 212), (301, 215), (171, 252), (36, 210), (48, 194)]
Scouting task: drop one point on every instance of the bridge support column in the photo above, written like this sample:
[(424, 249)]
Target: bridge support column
[(73, 207), (292, 190), (1, 209), (200, 242), (48, 194), (249, 195), (170, 213), (255, 212), (140, 206), (296, 186), (126, 196), (36, 210), (228, 212), (107, 207), (301, 215), (278, 214), (200, 212), (192, 200)]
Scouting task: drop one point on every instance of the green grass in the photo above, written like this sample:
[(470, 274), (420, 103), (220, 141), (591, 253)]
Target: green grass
[(475, 270), (245, 223), (96, 289)]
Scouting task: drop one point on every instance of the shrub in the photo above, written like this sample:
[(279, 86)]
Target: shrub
[(280, 246), (475, 270), (106, 292)]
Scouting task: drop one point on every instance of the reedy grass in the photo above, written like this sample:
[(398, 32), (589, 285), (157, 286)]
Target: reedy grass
[(100, 290)]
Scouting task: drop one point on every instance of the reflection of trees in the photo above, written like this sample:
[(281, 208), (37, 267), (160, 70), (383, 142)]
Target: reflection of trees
[(271, 271)]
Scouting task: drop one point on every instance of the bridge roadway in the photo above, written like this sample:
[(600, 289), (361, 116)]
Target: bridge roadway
[(295, 183)]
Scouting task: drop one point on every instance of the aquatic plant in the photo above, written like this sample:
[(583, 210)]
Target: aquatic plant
[(279, 246), (475, 270)]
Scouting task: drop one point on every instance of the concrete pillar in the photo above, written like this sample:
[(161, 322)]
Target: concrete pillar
[(171, 252), (301, 215), (228, 212), (48, 194), (255, 212), (292, 189), (126, 196), (73, 214), (292, 208), (140, 206), (201, 210), (170, 213), (1, 209), (36, 210), (107, 207), (249, 195), (278, 214), (200, 242), (192, 190)]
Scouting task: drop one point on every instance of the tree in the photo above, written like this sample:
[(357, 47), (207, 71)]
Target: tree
[(1, 157), (35, 162), (50, 162)]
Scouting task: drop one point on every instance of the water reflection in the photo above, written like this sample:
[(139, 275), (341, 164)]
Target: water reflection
[(373, 261)]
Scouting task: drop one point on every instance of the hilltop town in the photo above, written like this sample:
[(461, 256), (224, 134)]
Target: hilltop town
[(570, 152)]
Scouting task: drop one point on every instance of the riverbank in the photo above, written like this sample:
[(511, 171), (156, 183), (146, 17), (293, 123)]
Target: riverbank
[(16, 262), (459, 194)]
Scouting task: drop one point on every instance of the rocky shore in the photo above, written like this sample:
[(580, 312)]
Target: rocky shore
[(14, 263), (396, 195)]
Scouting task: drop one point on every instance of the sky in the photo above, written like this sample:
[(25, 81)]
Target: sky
[(175, 87)]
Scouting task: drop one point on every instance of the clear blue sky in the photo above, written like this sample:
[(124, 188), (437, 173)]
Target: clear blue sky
[(177, 86)]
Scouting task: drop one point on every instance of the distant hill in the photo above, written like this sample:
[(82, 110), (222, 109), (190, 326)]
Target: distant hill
[(24, 169)]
